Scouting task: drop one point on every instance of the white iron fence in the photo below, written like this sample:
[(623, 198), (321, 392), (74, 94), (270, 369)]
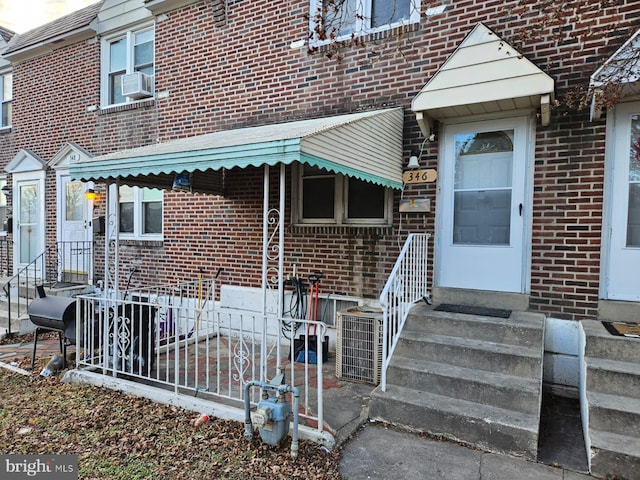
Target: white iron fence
[(179, 338), (407, 284)]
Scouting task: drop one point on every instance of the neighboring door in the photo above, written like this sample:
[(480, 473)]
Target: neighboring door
[(482, 206), (622, 281), (74, 230), (29, 229)]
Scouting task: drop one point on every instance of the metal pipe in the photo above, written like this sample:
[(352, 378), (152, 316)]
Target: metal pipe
[(281, 389), (294, 434), (248, 427)]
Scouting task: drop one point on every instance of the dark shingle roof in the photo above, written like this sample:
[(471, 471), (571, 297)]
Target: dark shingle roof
[(6, 34), (56, 28)]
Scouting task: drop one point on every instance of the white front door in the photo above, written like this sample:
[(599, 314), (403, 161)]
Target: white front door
[(482, 206), (622, 280), (29, 228), (75, 232)]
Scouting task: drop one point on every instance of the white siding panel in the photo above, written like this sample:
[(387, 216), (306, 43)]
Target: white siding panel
[(485, 53), (368, 142), (371, 145), (512, 68), (479, 35), (486, 75), (117, 14), (485, 92)]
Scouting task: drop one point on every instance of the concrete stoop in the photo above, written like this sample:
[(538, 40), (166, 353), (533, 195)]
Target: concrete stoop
[(473, 379), (611, 401)]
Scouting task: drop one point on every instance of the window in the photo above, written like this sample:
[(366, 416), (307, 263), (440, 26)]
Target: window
[(124, 54), (140, 213), (329, 198), (339, 19), (6, 96)]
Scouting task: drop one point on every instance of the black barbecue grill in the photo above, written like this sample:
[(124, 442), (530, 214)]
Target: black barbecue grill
[(56, 314)]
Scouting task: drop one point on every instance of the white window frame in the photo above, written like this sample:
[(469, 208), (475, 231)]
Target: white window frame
[(341, 202), (3, 100), (130, 66), (138, 229), (363, 21)]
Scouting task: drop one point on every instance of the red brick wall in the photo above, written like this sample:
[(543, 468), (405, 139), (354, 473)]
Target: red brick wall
[(50, 101), (245, 73)]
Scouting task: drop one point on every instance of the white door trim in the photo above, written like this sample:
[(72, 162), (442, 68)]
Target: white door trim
[(526, 123)]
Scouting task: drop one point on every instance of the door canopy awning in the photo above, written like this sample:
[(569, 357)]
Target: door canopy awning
[(483, 75), (618, 77), (365, 145)]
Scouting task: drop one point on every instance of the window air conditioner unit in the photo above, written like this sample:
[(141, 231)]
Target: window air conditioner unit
[(359, 344), (137, 85)]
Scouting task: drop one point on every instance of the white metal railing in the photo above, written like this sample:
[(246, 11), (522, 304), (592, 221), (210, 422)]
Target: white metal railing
[(406, 284), (179, 338)]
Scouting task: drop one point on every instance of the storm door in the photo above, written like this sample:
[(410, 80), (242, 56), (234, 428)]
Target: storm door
[(622, 281), (75, 232), (481, 226), (29, 228)]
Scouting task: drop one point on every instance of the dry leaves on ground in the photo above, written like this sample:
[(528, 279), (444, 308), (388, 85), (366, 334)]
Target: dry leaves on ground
[(117, 436)]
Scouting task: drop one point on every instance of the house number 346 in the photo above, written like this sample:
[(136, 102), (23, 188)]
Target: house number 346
[(420, 176)]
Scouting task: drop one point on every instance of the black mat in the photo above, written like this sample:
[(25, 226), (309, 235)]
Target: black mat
[(484, 311), (623, 329)]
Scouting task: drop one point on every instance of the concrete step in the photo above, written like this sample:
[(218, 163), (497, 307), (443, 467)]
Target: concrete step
[(464, 352), (613, 377), (614, 413), (601, 344), (487, 427), (521, 328), (614, 455), (490, 388), (612, 383)]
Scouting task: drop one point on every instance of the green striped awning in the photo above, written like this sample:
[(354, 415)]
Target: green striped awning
[(365, 145)]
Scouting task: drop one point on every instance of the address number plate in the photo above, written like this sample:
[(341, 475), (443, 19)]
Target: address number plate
[(420, 176)]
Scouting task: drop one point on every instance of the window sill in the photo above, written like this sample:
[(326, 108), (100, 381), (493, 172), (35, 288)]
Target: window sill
[(140, 242), (299, 229), (373, 35), (5, 130), (128, 106)]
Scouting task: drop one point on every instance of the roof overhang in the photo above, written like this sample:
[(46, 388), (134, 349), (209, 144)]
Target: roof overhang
[(51, 44), (483, 75), (162, 6), (619, 76), (365, 145), (72, 28)]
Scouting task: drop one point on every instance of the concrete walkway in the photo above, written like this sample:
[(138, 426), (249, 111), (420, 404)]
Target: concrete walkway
[(377, 452)]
